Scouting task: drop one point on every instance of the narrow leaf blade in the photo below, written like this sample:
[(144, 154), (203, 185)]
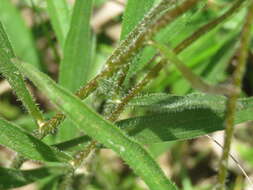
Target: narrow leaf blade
[(74, 68), (181, 117), (16, 139), (60, 17)]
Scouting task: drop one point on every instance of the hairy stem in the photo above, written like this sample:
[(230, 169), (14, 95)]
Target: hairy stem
[(129, 47), (232, 99), (205, 29)]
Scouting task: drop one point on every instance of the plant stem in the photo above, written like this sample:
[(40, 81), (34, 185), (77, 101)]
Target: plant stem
[(205, 29), (52, 124), (232, 99), (136, 40), (126, 50)]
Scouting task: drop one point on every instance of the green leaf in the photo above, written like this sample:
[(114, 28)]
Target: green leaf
[(12, 178), (18, 140), (74, 68), (134, 12), (60, 17), (101, 130), (11, 73), (20, 36), (182, 117)]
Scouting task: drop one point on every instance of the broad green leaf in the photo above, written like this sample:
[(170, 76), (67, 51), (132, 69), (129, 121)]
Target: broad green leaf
[(20, 36), (182, 117), (60, 17), (101, 130), (28, 146), (74, 68), (134, 12), (12, 178), (11, 73)]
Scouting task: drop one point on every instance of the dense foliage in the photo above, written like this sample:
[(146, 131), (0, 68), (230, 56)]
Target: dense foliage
[(180, 70)]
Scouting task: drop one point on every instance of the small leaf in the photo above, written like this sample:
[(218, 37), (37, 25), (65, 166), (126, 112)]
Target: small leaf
[(18, 140)]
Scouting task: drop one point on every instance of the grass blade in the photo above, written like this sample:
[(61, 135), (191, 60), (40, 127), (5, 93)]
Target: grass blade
[(101, 130), (28, 146), (182, 117), (11, 73), (22, 41), (74, 68), (60, 17)]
